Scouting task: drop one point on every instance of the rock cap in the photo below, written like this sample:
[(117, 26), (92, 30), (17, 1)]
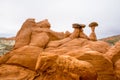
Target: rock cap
[(31, 19), (93, 24), (76, 25)]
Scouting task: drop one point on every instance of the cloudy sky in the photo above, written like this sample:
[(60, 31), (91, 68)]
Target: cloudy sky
[(61, 14)]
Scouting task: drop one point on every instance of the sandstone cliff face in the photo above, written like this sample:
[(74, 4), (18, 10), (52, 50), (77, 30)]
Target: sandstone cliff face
[(64, 67), (14, 72), (114, 52), (114, 55), (117, 69), (42, 54)]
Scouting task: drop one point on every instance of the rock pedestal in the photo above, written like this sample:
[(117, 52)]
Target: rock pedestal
[(93, 35)]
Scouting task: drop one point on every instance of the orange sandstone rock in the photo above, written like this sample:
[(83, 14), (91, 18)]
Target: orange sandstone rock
[(24, 34), (117, 69), (13, 72), (43, 54), (93, 35), (99, 46), (25, 56), (43, 24), (76, 31), (102, 65), (114, 52), (64, 67)]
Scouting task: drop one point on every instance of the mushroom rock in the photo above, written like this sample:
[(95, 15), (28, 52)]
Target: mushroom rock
[(117, 69), (13, 72), (76, 31), (82, 34), (114, 52), (93, 35), (102, 65), (64, 67)]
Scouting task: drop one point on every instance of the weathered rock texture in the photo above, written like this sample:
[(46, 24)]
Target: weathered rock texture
[(42, 54), (114, 55), (78, 31), (64, 67), (14, 72), (117, 69), (101, 64), (24, 34), (93, 35), (114, 52)]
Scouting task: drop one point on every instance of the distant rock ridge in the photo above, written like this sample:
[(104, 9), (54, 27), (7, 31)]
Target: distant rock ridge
[(112, 39), (6, 45), (40, 53)]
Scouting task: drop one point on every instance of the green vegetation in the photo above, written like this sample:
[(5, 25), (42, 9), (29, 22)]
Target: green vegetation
[(112, 40)]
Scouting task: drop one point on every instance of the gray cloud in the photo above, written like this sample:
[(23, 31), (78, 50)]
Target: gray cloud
[(61, 14)]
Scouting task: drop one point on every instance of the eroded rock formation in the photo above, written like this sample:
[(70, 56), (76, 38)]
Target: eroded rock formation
[(117, 69), (64, 67), (40, 53), (93, 35)]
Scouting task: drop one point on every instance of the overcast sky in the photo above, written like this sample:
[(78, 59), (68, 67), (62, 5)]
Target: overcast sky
[(61, 14)]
